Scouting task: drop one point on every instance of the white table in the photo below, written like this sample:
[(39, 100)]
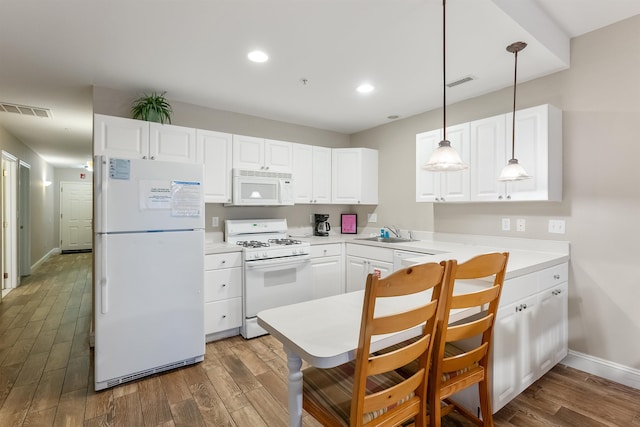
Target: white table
[(324, 332)]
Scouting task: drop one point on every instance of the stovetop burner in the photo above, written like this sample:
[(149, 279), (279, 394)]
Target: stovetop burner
[(252, 244), (285, 242)]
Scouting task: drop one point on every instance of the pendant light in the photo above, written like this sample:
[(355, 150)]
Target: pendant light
[(445, 158), (513, 171)]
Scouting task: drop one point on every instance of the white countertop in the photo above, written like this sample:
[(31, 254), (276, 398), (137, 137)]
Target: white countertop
[(525, 255)]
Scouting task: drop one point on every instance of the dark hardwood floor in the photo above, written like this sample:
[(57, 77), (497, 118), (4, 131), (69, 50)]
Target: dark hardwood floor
[(46, 374)]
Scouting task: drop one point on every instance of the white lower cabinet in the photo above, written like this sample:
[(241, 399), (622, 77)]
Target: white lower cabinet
[(530, 335), (362, 260), (327, 270), (222, 295)]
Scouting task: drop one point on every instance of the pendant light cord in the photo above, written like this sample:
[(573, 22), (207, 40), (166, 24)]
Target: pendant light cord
[(513, 119), (444, 75)]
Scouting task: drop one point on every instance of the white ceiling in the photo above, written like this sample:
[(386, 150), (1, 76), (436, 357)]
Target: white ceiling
[(52, 52)]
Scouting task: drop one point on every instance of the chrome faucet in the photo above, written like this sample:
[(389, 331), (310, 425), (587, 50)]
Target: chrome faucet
[(394, 230)]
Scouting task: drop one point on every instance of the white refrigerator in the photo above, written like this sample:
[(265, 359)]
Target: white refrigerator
[(149, 268)]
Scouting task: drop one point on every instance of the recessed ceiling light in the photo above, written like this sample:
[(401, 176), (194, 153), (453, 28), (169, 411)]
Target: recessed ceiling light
[(258, 56), (365, 88)]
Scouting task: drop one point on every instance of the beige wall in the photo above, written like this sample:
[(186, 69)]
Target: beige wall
[(42, 220), (601, 130)]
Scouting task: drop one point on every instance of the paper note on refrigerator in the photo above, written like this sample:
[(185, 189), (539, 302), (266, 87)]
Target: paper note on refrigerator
[(155, 194), (186, 198)]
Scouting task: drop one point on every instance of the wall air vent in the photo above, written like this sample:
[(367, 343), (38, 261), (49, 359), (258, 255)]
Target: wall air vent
[(460, 81), (26, 110)]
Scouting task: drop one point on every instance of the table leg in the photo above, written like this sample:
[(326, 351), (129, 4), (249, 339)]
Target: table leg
[(295, 388)]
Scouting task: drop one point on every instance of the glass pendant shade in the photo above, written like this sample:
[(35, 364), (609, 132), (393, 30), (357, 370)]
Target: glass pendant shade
[(445, 158), (513, 172)]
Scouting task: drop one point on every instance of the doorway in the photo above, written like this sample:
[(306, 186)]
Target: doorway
[(24, 215), (10, 277), (76, 216)]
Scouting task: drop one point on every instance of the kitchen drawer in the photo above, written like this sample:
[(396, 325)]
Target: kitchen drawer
[(518, 288), (226, 260), (318, 251), (553, 276), (222, 315), (222, 284), (370, 252)]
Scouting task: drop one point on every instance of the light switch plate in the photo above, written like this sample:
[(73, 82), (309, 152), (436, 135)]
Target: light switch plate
[(215, 221), (556, 226), (372, 217), (506, 224)]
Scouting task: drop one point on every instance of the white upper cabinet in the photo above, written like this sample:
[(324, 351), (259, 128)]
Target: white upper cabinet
[(173, 143), (442, 186), (216, 149), (354, 176), (120, 137), (311, 174), (538, 148), (137, 139), (488, 157), (262, 154)]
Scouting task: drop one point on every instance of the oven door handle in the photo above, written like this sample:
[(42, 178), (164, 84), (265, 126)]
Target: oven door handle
[(280, 262)]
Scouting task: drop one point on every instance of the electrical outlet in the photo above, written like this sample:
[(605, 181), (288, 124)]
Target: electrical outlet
[(556, 226), (506, 224), (520, 224), (372, 217), (215, 221)]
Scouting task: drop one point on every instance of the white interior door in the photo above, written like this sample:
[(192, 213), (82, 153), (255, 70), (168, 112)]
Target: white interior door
[(76, 216), (24, 226), (9, 222)]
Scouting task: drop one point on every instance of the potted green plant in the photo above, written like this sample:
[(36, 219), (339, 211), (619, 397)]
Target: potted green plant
[(152, 108)]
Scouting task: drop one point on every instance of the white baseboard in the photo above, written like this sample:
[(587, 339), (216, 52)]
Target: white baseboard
[(45, 257), (603, 368)]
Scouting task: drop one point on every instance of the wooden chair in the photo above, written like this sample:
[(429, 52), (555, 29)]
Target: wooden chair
[(462, 351), (368, 391)]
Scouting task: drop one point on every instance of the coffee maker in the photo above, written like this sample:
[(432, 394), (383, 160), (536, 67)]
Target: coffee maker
[(321, 225)]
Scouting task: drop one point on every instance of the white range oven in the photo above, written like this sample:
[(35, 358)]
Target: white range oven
[(277, 270)]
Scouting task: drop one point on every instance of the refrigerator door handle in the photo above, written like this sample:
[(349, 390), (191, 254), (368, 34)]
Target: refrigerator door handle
[(104, 284), (100, 198)]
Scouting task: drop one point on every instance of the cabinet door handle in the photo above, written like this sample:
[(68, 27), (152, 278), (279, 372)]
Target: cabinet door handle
[(524, 306), (556, 276), (500, 197), (509, 197), (153, 157), (224, 316), (144, 157), (224, 285)]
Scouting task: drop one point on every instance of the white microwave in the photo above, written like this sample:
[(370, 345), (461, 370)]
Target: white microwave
[(261, 188)]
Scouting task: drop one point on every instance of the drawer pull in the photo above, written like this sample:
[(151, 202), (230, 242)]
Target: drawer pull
[(224, 260), (556, 276), (224, 285), (224, 316)]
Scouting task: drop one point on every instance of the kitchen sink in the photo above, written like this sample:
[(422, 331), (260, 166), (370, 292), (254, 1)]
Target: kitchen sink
[(386, 239)]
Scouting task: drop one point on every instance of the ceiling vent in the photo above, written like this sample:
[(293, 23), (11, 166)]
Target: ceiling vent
[(460, 81), (25, 110)]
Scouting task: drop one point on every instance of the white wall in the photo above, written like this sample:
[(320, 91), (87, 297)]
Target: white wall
[(601, 130)]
